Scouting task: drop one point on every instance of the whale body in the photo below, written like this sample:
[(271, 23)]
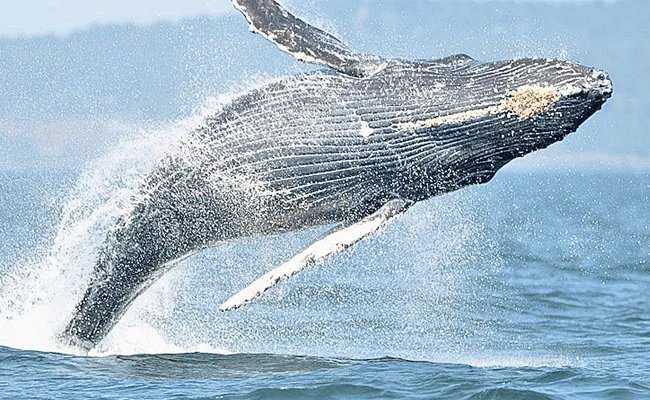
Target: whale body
[(332, 147)]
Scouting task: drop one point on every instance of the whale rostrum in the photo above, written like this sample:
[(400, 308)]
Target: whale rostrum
[(355, 145)]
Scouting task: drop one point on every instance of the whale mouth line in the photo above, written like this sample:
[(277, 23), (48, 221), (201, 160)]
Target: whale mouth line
[(525, 102)]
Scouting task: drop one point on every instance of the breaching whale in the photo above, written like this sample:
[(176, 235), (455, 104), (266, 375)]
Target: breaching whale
[(355, 145)]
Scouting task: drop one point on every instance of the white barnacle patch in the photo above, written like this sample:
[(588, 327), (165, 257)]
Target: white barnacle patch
[(525, 102), (528, 101), (366, 130)]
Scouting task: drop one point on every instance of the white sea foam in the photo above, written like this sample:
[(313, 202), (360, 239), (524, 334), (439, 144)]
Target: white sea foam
[(38, 296)]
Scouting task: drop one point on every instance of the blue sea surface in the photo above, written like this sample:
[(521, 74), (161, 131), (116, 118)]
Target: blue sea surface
[(533, 286)]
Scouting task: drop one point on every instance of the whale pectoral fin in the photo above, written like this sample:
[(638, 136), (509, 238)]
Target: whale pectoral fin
[(303, 41), (336, 241)]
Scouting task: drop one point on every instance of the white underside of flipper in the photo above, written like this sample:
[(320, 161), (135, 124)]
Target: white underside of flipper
[(336, 242)]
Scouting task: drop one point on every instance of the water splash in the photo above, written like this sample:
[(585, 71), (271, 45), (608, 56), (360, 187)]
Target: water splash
[(414, 291), (38, 295)]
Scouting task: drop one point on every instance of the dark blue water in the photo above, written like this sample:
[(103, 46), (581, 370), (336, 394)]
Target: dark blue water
[(534, 286), (208, 376)]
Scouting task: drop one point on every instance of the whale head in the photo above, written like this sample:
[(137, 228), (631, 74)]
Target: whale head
[(542, 102), (480, 116), (548, 99)]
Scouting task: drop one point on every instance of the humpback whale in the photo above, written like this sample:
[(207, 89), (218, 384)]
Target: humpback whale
[(353, 145)]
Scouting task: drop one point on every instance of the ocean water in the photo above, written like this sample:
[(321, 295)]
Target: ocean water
[(533, 286)]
